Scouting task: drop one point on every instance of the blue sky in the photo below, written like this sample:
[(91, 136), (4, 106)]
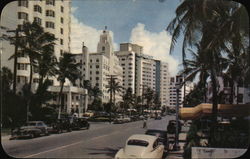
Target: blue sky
[(137, 21)]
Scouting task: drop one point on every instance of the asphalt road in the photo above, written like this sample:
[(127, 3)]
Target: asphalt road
[(102, 140)]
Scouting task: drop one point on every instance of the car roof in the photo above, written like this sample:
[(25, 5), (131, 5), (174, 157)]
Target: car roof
[(156, 130), (148, 138), (34, 121)]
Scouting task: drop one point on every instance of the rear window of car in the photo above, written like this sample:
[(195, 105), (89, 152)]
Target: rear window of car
[(138, 143)]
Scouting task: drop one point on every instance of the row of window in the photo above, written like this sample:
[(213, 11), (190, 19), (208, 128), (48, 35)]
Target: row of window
[(25, 16)]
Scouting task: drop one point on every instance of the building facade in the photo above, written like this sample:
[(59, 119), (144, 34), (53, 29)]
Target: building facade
[(52, 15), (98, 67), (141, 71)]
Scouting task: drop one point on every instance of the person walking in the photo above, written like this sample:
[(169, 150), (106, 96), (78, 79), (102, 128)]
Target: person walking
[(144, 123)]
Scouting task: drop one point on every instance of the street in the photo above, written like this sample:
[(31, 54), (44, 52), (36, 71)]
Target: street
[(102, 140)]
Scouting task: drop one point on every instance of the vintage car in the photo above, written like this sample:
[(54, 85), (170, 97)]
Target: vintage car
[(119, 120), (31, 129), (171, 128), (161, 134), (141, 146), (79, 123), (61, 125)]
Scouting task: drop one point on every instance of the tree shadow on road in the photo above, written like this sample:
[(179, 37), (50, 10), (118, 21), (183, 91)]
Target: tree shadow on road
[(104, 151)]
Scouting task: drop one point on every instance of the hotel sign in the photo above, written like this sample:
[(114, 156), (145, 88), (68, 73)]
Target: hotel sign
[(204, 152)]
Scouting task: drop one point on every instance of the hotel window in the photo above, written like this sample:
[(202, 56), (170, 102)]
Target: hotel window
[(23, 3), (62, 9), (50, 13), (38, 20), (20, 27), (22, 79), (97, 60), (61, 41), (37, 8), (97, 66), (61, 52), (22, 15), (61, 30), (97, 78), (35, 80), (50, 25), (50, 2), (61, 20), (21, 66), (97, 72)]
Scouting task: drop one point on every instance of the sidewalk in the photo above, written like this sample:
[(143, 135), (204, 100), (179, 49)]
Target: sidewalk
[(178, 154)]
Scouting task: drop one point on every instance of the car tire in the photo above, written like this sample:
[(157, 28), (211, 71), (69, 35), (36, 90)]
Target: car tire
[(46, 133), (32, 135)]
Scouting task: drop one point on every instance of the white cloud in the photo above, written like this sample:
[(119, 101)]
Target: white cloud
[(154, 44), (81, 32)]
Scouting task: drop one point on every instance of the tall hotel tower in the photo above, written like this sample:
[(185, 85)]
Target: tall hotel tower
[(52, 15)]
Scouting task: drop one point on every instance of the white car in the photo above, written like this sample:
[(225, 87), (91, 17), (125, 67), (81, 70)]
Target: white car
[(141, 146)]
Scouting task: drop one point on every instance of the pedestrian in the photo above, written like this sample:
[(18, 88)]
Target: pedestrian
[(144, 123)]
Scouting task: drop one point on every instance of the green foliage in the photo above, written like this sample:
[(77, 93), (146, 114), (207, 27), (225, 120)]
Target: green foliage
[(96, 105), (195, 97)]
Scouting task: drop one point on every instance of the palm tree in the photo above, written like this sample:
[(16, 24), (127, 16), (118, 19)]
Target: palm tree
[(114, 87), (46, 64), (67, 68), (149, 96), (96, 92), (36, 42), (212, 24), (128, 99)]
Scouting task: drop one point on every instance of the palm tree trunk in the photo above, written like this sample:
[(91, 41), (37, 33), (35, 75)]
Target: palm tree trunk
[(31, 76), (214, 108), (60, 100)]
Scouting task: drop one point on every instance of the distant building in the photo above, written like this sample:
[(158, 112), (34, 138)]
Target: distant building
[(141, 71), (239, 95)]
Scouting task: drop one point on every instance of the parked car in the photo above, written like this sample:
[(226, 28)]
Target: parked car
[(141, 146), (161, 134), (171, 128), (119, 120), (158, 117), (61, 125), (127, 119), (31, 129), (79, 123)]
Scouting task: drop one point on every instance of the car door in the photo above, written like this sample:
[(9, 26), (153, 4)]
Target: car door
[(40, 125), (157, 149)]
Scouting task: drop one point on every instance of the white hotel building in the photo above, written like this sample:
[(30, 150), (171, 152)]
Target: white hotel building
[(97, 67), (141, 71), (54, 17)]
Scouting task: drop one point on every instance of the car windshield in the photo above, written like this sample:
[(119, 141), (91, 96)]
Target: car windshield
[(138, 143), (30, 124)]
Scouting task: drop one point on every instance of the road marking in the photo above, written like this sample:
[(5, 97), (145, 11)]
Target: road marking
[(62, 147)]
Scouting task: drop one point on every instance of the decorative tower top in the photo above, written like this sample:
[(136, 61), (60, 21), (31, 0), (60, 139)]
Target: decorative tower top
[(105, 29)]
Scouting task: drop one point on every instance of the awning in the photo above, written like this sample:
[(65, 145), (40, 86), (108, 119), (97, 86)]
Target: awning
[(205, 109)]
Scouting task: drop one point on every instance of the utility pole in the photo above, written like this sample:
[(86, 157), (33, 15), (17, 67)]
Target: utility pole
[(178, 86), (16, 43)]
